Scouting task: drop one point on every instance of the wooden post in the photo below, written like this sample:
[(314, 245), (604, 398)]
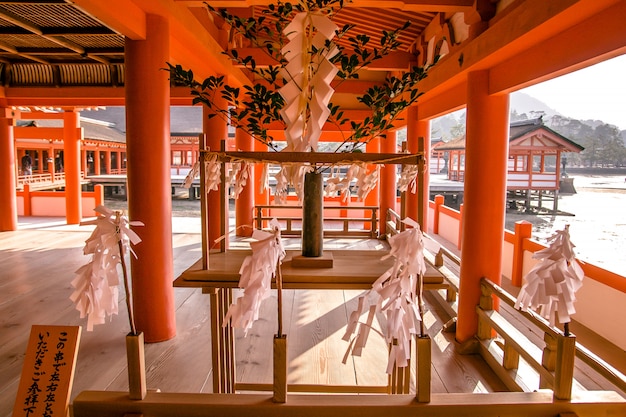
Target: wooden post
[(423, 369), (136, 359), (523, 231), (548, 359), (485, 331), (564, 372), (280, 368)]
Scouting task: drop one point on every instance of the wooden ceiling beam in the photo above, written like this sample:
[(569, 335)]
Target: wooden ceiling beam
[(395, 61), (409, 5), (16, 20)]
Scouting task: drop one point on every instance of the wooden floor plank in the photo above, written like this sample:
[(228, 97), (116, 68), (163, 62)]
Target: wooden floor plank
[(314, 339)]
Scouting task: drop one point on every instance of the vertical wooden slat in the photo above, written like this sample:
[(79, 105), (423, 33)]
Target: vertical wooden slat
[(548, 359), (216, 340), (423, 372), (511, 357), (280, 369), (136, 357), (564, 372)]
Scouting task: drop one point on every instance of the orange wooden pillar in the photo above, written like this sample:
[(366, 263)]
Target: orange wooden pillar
[(216, 130), (149, 193), (260, 197), (83, 161), (245, 202), (107, 161), (387, 186), (415, 130), (8, 173), (485, 197), (423, 146), (373, 199), (71, 166), (96, 162)]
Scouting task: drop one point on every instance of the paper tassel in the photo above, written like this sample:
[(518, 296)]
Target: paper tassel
[(364, 181), (395, 294), (552, 283), (408, 178), (96, 283), (309, 74), (212, 174), (256, 272), (192, 174), (238, 178)]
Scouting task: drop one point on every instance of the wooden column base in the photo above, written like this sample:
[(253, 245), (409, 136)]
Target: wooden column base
[(280, 369), (136, 357)]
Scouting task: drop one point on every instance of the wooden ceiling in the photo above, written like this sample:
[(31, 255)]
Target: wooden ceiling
[(72, 51), (59, 43)]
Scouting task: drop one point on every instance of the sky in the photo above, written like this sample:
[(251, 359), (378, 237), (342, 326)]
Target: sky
[(597, 92)]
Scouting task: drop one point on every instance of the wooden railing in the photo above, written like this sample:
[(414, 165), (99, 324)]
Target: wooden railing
[(369, 224), (39, 180), (510, 353)]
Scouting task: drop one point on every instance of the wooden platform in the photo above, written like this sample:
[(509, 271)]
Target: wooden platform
[(38, 264)]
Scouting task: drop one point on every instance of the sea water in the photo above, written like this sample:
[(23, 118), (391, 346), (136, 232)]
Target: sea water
[(598, 222)]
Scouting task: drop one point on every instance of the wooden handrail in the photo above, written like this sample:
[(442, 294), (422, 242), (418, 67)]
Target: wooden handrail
[(563, 347), (259, 219)]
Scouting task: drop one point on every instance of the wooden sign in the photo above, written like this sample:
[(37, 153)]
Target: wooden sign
[(48, 372)]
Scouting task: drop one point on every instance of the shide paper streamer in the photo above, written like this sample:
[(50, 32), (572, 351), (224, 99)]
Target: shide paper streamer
[(552, 283), (96, 283), (256, 273), (396, 294)]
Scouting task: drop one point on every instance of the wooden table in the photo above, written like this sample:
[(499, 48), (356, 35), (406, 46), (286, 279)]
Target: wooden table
[(352, 269)]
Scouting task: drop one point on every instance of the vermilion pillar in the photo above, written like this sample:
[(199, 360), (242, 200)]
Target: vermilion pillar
[(107, 161), (216, 130), (484, 197), (373, 199), (387, 184), (71, 166), (96, 162), (245, 202), (8, 169), (416, 129), (261, 198), (149, 192)]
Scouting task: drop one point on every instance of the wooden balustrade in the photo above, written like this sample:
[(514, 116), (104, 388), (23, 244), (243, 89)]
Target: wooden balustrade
[(370, 222), (503, 347)]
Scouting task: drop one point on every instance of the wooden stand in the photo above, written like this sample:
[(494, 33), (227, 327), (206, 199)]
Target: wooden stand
[(136, 358), (280, 369), (423, 369)]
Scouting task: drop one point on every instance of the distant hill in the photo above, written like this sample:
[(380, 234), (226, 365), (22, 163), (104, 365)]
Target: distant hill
[(522, 107), (524, 104)]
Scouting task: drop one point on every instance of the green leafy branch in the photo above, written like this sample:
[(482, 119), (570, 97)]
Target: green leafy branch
[(254, 107)]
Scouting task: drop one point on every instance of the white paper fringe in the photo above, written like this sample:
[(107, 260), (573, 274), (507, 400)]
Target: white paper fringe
[(395, 294), (96, 283), (256, 272), (552, 283)]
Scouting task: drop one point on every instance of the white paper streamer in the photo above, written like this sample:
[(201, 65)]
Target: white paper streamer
[(256, 272), (364, 181), (192, 174), (309, 74), (396, 295), (552, 283), (96, 283), (212, 174), (408, 178), (238, 178)]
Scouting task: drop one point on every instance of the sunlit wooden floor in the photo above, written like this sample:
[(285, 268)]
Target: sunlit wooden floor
[(38, 263)]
